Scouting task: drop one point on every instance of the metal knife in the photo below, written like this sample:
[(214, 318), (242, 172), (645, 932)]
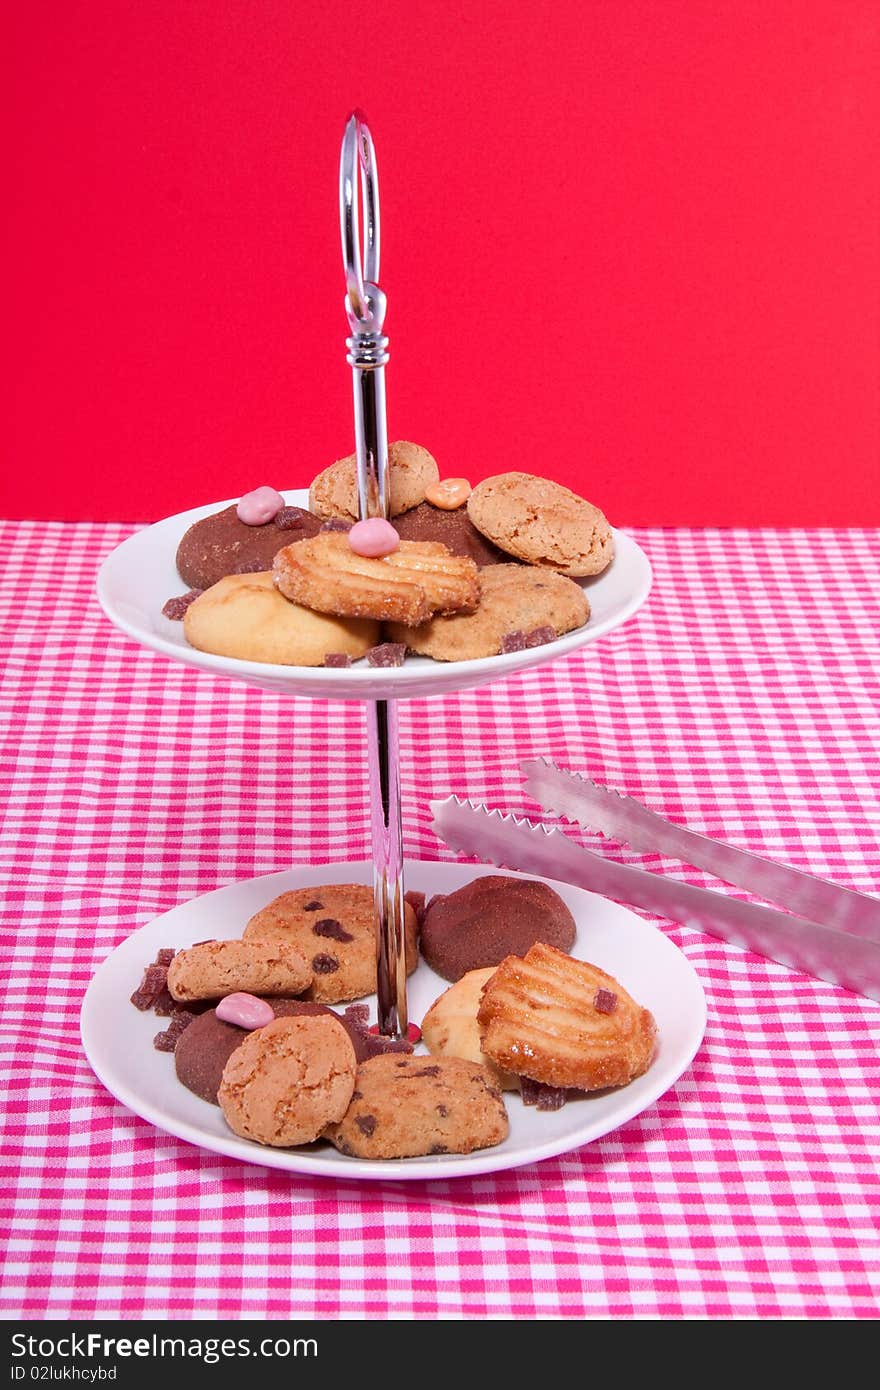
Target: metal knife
[(621, 818), (843, 959)]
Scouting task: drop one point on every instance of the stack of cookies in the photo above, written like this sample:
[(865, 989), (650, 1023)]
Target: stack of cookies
[(253, 1031), (458, 574)]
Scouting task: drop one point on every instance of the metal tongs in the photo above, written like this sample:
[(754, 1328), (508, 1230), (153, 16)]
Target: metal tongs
[(828, 931)]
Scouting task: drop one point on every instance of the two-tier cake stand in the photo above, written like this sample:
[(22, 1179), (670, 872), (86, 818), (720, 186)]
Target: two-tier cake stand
[(134, 583)]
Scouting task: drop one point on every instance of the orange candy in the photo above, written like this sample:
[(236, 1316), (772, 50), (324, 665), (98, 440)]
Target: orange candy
[(449, 494)]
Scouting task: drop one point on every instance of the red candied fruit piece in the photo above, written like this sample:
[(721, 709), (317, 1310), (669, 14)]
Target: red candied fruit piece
[(339, 660), (513, 641), (177, 606), (167, 1041), (387, 654), (538, 1094), (540, 635), (413, 1033), (605, 1001), (290, 518)]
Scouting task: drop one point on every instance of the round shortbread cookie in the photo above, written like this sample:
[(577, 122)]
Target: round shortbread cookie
[(405, 1106), (412, 470), (543, 523), (244, 616), (288, 1080), (449, 1028), (217, 968), (334, 927), (514, 599)]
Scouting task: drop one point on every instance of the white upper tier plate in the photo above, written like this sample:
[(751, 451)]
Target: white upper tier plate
[(139, 576)]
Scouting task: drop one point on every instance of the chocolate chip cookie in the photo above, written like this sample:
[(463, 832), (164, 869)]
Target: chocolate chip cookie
[(335, 929), (518, 606), (405, 1106)]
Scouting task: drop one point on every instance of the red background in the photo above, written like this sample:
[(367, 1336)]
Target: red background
[(631, 245)]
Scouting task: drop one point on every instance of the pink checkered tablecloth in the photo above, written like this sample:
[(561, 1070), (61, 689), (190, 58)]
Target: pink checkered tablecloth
[(743, 700)]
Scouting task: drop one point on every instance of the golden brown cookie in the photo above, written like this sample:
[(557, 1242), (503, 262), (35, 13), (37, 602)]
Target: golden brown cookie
[(449, 1028), (542, 522), (244, 616), (417, 579), (405, 1106), (412, 470), (288, 1080), (564, 1022), (519, 606), (334, 927), (216, 968)]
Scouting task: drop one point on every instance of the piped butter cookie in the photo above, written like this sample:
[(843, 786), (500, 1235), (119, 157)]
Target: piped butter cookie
[(564, 1022), (416, 579)]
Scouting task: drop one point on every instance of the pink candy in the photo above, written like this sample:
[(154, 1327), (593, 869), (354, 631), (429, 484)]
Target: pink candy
[(245, 1010), (373, 537), (259, 506)]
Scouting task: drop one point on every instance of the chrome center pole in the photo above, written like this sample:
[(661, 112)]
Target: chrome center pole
[(365, 306)]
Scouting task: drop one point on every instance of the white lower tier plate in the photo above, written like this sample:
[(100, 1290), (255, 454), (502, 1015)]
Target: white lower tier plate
[(118, 1040)]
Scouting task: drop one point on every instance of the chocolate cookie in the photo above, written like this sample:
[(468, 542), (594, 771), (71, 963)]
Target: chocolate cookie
[(519, 606), (222, 544), (454, 529), (245, 617), (289, 1080), (405, 1106), (543, 523), (334, 926), (411, 468), (490, 918)]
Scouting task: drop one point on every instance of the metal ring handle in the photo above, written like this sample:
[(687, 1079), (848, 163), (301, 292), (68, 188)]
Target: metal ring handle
[(358, 154)]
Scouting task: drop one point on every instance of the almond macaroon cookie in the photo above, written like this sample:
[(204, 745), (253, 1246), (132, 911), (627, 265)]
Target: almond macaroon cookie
[(412, 471), (289, 1080), (542, 523), (216, 968), (244, 616)]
